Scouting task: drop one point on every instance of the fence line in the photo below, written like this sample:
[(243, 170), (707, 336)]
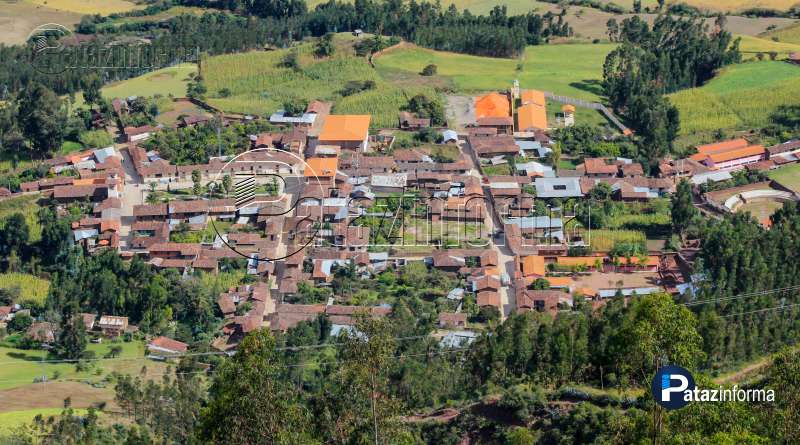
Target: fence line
[(586, 104)]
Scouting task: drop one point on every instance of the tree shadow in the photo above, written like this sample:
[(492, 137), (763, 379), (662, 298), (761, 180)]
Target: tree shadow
[(23, 356), (593, 86)]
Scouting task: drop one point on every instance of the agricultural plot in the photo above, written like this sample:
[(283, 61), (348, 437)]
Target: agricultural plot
[(258, 84), (11, 420), (572, 70), (787, 176), (789, 34), (602, 240), (31, 288), (22, 367), (750, 46), (104, 7), (166, 81), (741, 97), (19, 17), (29, 207)]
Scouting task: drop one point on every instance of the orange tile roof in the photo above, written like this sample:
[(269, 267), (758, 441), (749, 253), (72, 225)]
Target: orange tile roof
[(531, 116), (321, 167), (568, 108), (535, 97), (578, 260), (586, 291), (88, 181), (533, 265), (721, 146), (745, 152), (559, 281), (345, 127), (492, 105)]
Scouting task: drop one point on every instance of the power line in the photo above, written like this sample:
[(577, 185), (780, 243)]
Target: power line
[(786, 306), (744, 295), (200, 354), (301, 365)]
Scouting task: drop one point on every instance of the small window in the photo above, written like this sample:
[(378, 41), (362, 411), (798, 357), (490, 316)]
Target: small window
[(559, 187)]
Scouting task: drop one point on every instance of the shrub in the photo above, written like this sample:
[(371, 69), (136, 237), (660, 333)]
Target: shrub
[(429, 70)]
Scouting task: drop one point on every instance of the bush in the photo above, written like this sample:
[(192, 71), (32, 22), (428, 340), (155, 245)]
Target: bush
[(429, 70)]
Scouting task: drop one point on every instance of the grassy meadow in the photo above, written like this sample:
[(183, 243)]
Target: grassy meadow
[(259, 85), (13, 419), (171, 80), (741, 97), (31, 288), (789, 34), (788, 176), (603, 240), (21, 367), (750, 46), (571, 70)]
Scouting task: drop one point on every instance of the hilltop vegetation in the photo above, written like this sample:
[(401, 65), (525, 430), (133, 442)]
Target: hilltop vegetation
[(573, 70), (741, 97), (258, 83)]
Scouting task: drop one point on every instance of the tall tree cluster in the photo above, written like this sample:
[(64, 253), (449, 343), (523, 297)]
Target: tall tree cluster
[(672, 54)]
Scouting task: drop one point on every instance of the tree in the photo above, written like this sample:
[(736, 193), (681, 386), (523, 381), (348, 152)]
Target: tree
[(250, 384), (291, 60), (14, 234), (325, 46), (358, 405), (295, 106), (682, 209), (425, 107), (91, 85), (555, 154), (41, 119), (613, 29), (20, 323), (429, 70), (783, 374), (227, 184), (654, 332), (71, 340), (196, 186)]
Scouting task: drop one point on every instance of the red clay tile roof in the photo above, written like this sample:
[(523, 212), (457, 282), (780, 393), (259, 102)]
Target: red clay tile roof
[(168, 344)]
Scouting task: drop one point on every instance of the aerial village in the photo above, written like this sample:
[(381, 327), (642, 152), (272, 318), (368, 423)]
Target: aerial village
[(485, 203)]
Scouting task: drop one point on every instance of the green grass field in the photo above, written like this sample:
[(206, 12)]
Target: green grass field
[(602, 240), (750, 46), (789, 34), (31, 288), (258, 85), (166, 81), (29, 207), (13, 419), (741, 97), (21, 367), (572, 70), (788, 176)]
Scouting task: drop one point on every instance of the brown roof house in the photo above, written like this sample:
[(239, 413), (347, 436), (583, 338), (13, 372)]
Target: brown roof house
[(113, 326), (165, 345)]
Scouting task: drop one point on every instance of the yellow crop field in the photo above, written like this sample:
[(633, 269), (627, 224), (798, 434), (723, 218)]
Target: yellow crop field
[(102, 7), (31, 288)]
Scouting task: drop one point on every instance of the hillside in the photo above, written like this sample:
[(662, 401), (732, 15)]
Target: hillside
[(259, 85), (573, 70), (789, 34), (740, 97)]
